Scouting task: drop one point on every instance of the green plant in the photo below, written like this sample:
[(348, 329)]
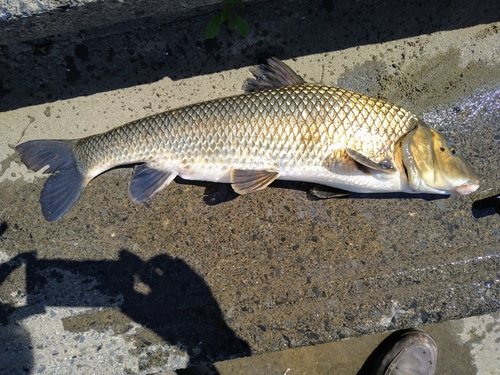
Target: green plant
[(227, 15)]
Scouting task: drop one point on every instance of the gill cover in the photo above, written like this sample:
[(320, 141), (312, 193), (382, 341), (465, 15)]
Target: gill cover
[(435, 165)]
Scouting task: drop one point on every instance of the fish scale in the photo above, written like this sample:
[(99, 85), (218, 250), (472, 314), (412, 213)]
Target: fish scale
[(298, 124), (281, 128)]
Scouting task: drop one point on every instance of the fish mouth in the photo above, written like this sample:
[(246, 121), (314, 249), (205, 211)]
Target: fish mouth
[(467, 188)]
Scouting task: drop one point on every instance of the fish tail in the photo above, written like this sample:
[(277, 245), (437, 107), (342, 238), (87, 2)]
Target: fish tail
[(65, 185)]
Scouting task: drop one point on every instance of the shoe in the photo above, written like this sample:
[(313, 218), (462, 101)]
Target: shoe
[(413, 352)]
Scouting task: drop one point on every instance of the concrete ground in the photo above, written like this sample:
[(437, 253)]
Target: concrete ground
[(197, 275), (465, 346)]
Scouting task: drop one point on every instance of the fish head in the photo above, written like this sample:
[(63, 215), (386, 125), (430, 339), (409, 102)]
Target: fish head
[(435, 165)]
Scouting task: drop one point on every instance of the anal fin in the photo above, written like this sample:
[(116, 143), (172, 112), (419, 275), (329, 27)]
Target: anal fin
[(246, 181), (148, 181), (383, 166)]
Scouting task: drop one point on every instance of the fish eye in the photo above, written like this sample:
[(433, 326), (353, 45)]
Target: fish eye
[(453, 148)]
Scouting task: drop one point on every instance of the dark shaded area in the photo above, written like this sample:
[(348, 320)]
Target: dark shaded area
[(217, 193), (141, 50), (5, 270), (486, 207), (3, 227), (175, 304), (23, 344)]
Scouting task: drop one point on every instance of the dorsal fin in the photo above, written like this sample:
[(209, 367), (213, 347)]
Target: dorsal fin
[(275, 73)]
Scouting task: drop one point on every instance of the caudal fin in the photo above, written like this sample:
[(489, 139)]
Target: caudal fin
[(64, 186)]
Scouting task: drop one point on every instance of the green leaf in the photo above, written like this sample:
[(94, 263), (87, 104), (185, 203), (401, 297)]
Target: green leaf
[(242, 26), (227, 15), (238, 3), (224, 14), (213, 27)]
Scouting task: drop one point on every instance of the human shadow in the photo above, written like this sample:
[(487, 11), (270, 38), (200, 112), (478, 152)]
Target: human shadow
[(162, 294), (17, 358)]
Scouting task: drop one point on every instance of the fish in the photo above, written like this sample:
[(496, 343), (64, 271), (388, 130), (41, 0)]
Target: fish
[(281, 127)]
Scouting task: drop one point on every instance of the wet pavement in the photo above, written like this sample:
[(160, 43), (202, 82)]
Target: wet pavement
[(466, 346), (198, 274)]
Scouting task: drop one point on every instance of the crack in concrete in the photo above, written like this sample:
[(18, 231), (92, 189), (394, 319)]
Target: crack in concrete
[(32, 120), (5, 163)]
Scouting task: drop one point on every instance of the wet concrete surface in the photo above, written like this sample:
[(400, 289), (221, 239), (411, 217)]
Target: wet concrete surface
[(466, 346), (197, 274)]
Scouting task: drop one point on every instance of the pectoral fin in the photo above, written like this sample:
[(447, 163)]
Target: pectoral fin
[(148, 181), (271, 75), (383, 166), (325, 192), (247, 181)]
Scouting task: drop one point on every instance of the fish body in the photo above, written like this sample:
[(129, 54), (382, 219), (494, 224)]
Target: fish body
[(281, 128), (299, 132)]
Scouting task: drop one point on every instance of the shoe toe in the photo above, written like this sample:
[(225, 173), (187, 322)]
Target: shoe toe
[(414, 359), (412, 353)]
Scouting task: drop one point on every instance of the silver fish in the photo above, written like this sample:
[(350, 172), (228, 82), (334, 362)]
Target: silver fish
[(281, 128)]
